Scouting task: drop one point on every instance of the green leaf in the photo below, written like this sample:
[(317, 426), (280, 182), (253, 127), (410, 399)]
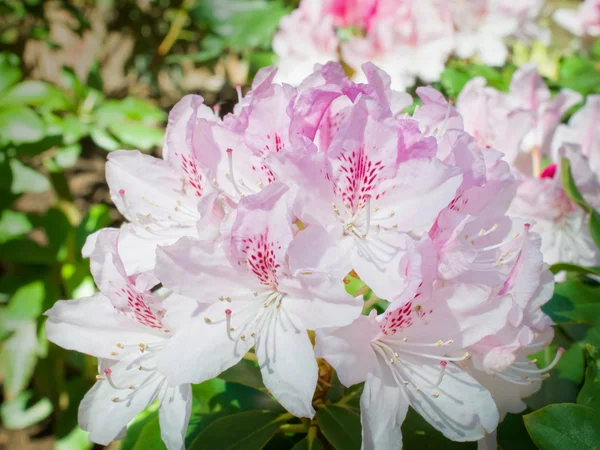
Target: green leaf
[(590, 392), (18, 358), (255, 29), (77, 439), (418, 433), (74, 129), (20, 124), (26, 179), (104, 140), (512, 434), (564, 427), (130, 108), (567, 267), (67, 156), (97, 217), (243, 24), (574, 301), (13, 224), (26, 251), (212, 47), (568, 183), (16, 415), (147, 418), (341, 426), (137, 134), (453, 80), (9, 70), (244, 372), (27, 302), (148, 437), (35, 93), (250, 430), (307, 444)]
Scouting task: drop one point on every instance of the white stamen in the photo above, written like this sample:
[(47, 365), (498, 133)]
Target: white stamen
[(233, 182), (368, 207)]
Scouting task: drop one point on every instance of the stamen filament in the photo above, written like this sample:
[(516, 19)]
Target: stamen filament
[(233, 182)]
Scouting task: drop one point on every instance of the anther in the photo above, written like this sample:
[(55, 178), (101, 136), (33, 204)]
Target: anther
[(207, 319), (120, 346), (435, 394), (115, 399), (114, 353)]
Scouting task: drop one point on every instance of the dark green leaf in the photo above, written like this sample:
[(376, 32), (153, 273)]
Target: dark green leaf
[(246, 373), (341, 426), (307, 444), (574, 301), (9, 70), (595, 227), (512, 434), (26, 251), (417, 433), (564, 427), (13, 224), (97, 217), (20, 124), (590, 392), (249, 430), (567, 267)]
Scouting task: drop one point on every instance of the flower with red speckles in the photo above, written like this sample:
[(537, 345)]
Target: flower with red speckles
[(409, 39), (127, 328), (258, 300), (253, 221), (413, 356)]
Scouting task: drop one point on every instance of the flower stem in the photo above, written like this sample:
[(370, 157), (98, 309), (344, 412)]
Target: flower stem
[(369, 303)]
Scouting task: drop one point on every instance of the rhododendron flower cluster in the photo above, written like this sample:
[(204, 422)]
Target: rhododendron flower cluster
[(407, 38), (241, 238), (525, 124)]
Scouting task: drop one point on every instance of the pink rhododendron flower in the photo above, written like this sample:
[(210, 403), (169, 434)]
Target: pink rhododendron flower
[(252, 222), (258, 300), (126, 327), (529, 91), (583, 129), (406, 38), (582, 21), (563, 225), (307, 37)]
